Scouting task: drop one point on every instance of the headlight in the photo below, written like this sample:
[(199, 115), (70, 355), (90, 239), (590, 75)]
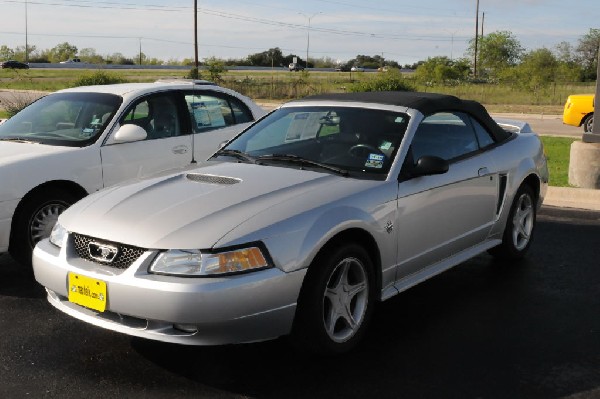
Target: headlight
[(197, 263), (58, 235)]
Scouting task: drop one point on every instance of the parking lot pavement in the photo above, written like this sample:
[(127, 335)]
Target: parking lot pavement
[(485, 329)]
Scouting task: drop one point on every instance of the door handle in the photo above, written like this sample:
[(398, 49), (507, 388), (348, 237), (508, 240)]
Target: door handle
[(483, 172), (180, 149)]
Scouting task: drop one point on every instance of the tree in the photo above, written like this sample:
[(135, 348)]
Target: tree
[(215, 68), (6, 53), (62, 52), (272, 56), (442, 69), (497, 51), (89, 55), (569, 69), (587, 53), (19, 52), (537, 70)]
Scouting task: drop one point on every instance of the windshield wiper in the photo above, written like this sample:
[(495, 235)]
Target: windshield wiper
[(299, 159), (235, 154)]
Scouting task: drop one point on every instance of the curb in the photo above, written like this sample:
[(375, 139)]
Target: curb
[(568, 197)]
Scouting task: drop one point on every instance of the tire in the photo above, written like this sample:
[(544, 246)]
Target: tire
[(520, 226), (336, 301), (588, 123), (34, 221)]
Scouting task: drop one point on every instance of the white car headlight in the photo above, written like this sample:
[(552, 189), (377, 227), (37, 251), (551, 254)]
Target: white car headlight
[(197, 263), (58, 235)]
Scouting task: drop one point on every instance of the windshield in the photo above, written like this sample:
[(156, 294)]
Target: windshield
[(68, 119), (357, 140)]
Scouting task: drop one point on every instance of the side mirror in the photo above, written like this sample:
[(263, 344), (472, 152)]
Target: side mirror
[(129, 133), (429, 165)]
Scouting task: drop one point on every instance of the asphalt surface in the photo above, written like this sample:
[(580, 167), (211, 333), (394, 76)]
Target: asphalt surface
[(485, 329)]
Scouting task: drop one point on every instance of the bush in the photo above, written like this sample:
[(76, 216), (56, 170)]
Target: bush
[(391, 80), (98, 78), (16, 101), (194, 73)]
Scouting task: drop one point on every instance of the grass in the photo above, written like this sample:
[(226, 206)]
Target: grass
[(558, 151)]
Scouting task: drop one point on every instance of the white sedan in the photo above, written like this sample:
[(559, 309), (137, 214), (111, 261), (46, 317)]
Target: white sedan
[(300, 224), (77, 141)]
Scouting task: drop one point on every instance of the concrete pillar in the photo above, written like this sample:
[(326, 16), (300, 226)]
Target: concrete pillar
[(584, 165)]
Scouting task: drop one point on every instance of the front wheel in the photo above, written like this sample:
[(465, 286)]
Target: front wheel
[(520, 225), (588, 123), (336, 301), (34, 221)]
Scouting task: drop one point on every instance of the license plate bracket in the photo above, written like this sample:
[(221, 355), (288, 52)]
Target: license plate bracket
[(88, 292)]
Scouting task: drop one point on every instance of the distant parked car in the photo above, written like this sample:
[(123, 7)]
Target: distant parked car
[(579, 111), (357, 69), (295, 67), (12, 64), (301, 224), (76, 141), (71, 61)]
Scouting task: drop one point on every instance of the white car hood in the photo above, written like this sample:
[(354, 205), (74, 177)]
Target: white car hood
[(11, 152), (183, 210)]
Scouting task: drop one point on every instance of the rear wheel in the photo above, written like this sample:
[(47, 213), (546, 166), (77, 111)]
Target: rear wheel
[(520, 225), (35, 220), (336, 301), (588, 123)]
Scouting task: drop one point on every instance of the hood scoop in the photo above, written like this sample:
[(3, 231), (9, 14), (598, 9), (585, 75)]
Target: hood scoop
[(212, 179)]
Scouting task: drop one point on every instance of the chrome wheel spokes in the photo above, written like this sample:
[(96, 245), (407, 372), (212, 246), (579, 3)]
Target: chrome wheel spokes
[(345, 299), (43, 221), (523, 222)]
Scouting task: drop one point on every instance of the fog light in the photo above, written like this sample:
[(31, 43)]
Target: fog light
[(187, 328)]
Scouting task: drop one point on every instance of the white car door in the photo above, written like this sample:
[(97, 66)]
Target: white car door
[(441, 215), (168, 143), (216, 118)]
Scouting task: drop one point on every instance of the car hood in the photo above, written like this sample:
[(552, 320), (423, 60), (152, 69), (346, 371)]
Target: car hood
[(192, 209), (11, 152)]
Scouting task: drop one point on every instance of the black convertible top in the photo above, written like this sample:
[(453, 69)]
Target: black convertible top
[(426, 103)]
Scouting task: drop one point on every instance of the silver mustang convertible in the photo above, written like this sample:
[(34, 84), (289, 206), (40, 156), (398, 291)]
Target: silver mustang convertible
[(300, 224)]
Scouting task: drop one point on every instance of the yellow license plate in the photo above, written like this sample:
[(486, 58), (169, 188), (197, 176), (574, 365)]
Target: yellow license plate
[(88, 292)]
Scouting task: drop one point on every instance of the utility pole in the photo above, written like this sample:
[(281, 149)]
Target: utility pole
[(594, 135), (482, 22), (308, 33), (26, 45), (476, 37), (196, 33)]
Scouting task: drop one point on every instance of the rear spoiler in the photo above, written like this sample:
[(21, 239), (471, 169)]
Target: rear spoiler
[(513, 126)]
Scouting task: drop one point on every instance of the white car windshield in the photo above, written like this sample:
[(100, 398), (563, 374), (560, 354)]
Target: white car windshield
[(351, 139), (68, 119)]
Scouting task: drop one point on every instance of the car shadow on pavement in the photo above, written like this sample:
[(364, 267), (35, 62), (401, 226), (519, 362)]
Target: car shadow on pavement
[(17, 281), (405, 333)]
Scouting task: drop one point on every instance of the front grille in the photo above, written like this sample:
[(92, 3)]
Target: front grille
[(126, 254)]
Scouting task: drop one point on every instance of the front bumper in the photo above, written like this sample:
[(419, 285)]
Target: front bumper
[(194, 311)]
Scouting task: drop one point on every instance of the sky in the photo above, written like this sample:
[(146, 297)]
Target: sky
[(399, 30)]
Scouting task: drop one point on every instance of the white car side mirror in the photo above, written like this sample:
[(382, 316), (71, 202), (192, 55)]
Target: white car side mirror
[(129, 133)]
